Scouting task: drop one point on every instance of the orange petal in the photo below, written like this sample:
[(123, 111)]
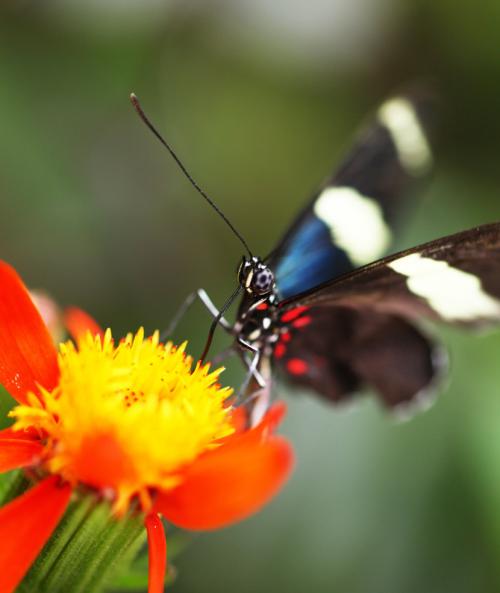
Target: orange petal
[(272, 419), (50, 312), (27, 355), (228, 484), (239, 419), (10, 433), (78, 323), (26, 524), (157, 547), (266, 426), (101, 461), (17, 449)]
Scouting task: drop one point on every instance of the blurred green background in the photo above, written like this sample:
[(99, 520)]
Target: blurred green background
[(260, 98)]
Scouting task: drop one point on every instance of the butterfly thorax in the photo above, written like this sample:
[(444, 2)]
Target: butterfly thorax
[(257, 319)]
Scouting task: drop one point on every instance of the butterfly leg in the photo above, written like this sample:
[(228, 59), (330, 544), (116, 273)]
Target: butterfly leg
[(252, 365), (258, 396), (188, 302), (222, 356)]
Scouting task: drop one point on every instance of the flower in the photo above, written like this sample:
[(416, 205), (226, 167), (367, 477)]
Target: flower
[(133, 422)]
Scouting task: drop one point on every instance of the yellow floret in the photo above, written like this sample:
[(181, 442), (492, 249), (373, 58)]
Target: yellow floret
[(143, 397)]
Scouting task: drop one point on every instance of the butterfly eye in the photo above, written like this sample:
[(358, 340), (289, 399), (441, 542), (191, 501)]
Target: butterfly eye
[(262, 281)]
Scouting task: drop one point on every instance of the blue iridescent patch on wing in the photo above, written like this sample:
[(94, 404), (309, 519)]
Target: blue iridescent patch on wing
[(310, 258)]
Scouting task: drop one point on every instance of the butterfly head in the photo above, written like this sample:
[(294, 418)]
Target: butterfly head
[(255, 277)]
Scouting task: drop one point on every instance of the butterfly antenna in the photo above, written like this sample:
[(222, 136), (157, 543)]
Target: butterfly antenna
[(137, 106)]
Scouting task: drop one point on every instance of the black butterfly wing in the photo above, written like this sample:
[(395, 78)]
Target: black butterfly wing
[(337, 351), (349, 222), (455, 279), (359, 329)]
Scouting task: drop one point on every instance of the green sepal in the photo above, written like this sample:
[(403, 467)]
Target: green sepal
[(136, 577), (12, 484), (89, 549)]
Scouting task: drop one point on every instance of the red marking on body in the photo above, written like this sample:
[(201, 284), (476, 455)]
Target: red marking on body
[(285, 337), (302, 321), (262, 307), (293, 314), (279, 350), (296, 366)]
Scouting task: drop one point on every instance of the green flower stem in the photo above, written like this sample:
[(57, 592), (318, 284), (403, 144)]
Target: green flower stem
[(12, 484), (89, 549)]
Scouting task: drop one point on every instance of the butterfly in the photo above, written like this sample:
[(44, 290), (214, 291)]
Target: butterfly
[(324, 311)]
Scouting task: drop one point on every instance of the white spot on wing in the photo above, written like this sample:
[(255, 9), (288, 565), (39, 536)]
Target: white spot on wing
[(454, 294), (399, 117), (356, 223)]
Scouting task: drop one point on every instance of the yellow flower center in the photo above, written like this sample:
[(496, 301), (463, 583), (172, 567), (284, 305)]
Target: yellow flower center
[(126, 418)]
